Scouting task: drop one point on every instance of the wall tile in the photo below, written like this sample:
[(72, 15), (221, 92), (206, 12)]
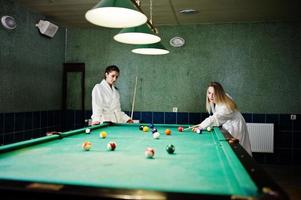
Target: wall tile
[(9, 122), (170, 118), (19, 121), (1, 123), (285, 123), (44, 118), (28, 121), (8, 138), (146, 117), (282, 140), (258, 118), (158, 117), (273, 119), (137, 115), (18, 136), (297, 123), (28, 135), (182, 118), (194, 118), (36, 117), (296, 156), (297, 139)]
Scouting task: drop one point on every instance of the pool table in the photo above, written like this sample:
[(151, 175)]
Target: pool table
[(203, 166)]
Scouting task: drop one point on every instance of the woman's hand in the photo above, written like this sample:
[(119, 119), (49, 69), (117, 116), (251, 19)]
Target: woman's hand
[(130, 121), (95, 123)]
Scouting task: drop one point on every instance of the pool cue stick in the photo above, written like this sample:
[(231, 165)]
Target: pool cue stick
[(134, 97), (190, 127)]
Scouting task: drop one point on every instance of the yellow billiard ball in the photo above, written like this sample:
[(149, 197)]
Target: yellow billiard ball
[(103, 134), (145, 129)]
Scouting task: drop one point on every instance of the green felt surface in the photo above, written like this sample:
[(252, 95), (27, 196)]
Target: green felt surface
[(202, 163)]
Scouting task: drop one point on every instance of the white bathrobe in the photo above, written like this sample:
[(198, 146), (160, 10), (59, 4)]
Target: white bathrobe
[(232, 121), (106, 104)]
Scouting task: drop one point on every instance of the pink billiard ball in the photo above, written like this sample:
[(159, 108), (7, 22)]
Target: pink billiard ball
[(180, 129)]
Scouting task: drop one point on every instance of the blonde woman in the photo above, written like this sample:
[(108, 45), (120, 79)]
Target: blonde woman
[(224, 113)]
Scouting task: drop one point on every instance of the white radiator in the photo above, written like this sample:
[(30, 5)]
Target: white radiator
[(261, 137)]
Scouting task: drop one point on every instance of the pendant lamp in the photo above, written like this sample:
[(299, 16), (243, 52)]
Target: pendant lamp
[(151, 49), (143, 34), (116, 14)]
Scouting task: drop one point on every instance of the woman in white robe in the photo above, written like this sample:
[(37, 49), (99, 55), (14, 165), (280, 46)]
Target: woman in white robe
[(225, 113), (106, 100)]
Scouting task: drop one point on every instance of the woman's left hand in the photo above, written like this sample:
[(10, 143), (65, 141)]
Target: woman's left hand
[(130, 121)]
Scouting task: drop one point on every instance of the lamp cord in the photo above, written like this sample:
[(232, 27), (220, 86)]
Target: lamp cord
[(151, 11)]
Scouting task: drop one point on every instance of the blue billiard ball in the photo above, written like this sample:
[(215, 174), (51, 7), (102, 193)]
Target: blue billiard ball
[(154, 130), (151, 126)]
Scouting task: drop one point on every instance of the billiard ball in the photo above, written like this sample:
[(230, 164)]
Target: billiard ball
[(198, 130), (111, 146), (88, 130), (167, 131), (151, 125), (180, 129), (103, 134), (208, 128), (87, 146), (156, 135), (154, 130), (149, 152), (170, 149), (141, 127), (145, 129)]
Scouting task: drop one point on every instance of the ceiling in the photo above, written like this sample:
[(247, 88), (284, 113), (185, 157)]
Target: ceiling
[(71, 13)]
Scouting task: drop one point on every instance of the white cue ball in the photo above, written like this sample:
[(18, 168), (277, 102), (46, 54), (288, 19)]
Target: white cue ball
[(156, 135), (88, 130)]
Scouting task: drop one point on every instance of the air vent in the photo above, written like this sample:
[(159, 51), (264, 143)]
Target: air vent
[(188, 11)]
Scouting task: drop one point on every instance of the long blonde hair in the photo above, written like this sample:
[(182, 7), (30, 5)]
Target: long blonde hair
[(220, 97)]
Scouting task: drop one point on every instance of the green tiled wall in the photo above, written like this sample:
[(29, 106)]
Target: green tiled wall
[(259, 64), (30, 63)]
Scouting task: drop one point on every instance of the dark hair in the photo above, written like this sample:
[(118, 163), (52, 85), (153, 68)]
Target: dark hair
[(111, 68)]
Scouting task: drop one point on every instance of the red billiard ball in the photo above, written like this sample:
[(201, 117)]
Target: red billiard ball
[(180, 129), (111, 146)]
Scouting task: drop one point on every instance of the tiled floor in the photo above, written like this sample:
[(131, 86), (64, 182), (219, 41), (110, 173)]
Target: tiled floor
[(288, 177)]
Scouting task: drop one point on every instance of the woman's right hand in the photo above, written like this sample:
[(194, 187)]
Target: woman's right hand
[(95, 123)]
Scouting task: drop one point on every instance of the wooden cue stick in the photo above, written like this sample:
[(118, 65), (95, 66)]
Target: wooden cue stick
[(134, 97), (190, 127)]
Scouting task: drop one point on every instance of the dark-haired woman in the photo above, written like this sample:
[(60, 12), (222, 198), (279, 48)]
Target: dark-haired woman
[(106, 100)]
